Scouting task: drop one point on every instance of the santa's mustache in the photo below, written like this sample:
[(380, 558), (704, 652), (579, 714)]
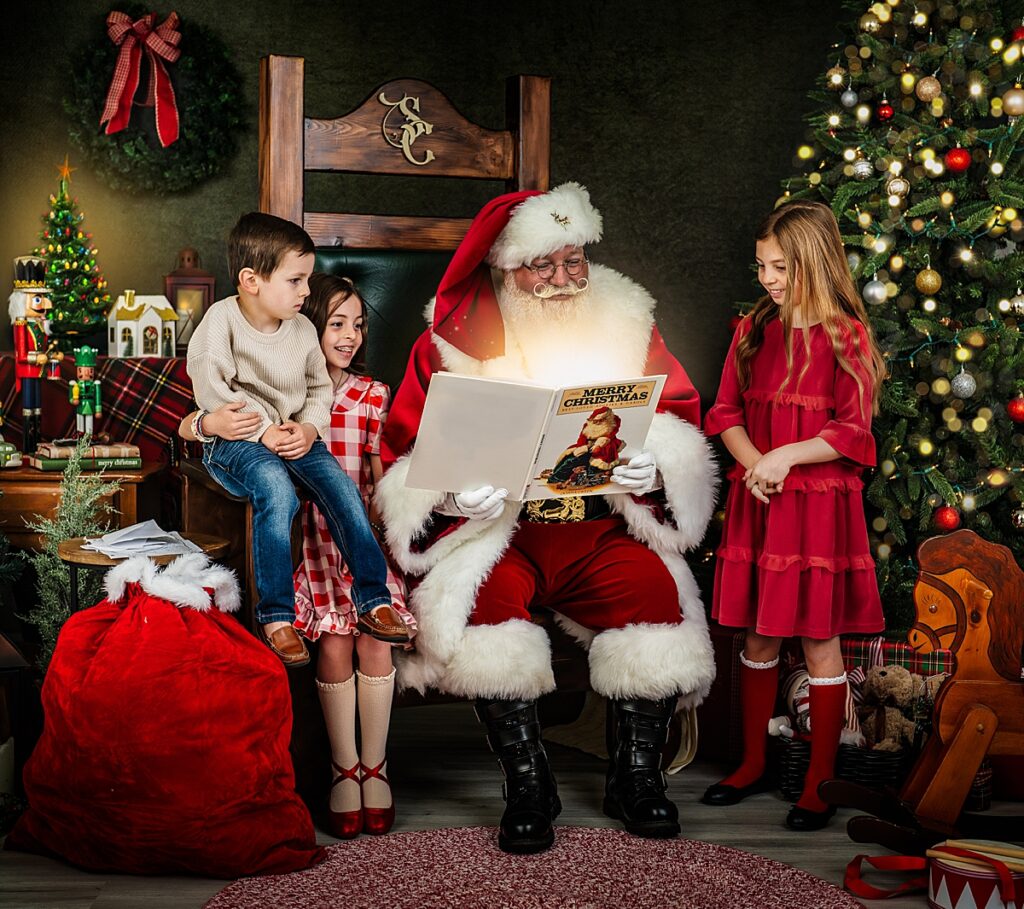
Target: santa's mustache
[(569, 289)]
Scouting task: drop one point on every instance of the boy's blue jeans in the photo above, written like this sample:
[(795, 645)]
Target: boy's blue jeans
[(252, 470)]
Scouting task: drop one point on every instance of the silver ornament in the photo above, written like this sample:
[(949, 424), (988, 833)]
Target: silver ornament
[(874, 292), (963, 384), (1017, 303), (853, 259), (849, 98), (862, 169), (1017, 518)]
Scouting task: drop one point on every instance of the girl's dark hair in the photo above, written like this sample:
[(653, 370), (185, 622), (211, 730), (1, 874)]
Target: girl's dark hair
[(323, 288)]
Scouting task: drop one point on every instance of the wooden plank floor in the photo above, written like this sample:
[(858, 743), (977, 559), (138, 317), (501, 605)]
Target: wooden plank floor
[(445, 777)]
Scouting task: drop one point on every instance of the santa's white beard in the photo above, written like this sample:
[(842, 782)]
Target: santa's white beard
[(560, 341)]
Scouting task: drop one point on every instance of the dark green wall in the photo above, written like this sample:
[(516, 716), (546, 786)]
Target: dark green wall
[(680, 117)]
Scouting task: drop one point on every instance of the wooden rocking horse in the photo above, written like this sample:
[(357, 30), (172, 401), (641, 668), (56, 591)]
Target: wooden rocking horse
[(969, 598)]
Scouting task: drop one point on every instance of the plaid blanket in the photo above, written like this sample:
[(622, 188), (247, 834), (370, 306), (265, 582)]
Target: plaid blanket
[(144, 399)]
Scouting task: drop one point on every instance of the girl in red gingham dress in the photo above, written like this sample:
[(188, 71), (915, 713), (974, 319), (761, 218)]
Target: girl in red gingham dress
[(360, 795), (794, 409)]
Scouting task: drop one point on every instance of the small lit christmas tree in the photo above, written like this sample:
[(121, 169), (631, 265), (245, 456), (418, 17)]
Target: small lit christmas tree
[(77, 287), (917, 143)]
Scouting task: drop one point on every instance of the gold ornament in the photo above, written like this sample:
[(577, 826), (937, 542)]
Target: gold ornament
[(870, 23), (897, 186), (928, 281), (835, 77), (1013, 101), (928, 88)]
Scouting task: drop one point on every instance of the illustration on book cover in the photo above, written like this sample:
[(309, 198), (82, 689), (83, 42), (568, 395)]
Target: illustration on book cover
[(587, 464)]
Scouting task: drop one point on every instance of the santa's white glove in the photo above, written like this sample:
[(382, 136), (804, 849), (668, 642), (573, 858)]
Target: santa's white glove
[(639, 475), (483, 504)]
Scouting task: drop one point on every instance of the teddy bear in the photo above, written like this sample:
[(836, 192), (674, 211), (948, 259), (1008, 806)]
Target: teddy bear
[(590, 461), (888, 691)]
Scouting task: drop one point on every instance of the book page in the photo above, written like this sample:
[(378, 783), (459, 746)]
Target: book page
[(591, 429), (477, 432)]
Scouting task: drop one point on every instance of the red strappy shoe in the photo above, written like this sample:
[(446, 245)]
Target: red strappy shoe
[(346, 824), (377, 820)]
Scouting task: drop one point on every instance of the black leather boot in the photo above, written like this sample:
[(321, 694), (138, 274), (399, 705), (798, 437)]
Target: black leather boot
[(635, 791), (531, 797)]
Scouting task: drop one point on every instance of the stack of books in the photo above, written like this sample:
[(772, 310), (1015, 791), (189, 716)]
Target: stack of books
[(113, 456)]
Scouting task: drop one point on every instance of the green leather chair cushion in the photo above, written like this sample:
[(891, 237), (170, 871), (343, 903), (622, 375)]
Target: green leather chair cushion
[(396, 286)]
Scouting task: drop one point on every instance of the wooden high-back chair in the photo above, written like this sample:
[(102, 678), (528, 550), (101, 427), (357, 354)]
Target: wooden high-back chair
[(404, 127), (407, 128)]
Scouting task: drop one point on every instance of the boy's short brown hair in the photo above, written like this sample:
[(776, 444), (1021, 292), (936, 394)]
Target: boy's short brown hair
[(260, 241)]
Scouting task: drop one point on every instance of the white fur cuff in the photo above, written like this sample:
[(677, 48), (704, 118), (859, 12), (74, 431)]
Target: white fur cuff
[(509, 661), (653, 661)]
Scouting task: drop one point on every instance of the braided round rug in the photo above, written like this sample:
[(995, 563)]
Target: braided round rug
[(586, 869)]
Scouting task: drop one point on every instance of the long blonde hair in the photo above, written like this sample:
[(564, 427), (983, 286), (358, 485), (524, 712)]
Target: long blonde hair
[(820, 284)]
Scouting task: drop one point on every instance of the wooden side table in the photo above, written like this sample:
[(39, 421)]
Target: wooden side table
[(74, 556), (28, 492)]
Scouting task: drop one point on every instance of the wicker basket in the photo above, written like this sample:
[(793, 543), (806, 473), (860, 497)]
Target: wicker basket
[(874, 769)]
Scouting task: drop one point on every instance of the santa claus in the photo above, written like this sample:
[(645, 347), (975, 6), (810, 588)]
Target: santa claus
[(521, 300)]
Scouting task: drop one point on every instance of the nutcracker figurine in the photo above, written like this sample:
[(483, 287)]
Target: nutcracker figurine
[(84, 390), (34, 354)]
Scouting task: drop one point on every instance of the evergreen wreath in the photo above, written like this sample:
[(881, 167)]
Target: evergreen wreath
[(208, 88)]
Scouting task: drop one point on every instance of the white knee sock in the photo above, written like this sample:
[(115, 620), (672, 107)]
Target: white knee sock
[(375, 696), (338, 701)]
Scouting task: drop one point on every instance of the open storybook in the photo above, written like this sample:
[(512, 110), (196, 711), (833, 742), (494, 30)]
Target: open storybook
[(535, 441)]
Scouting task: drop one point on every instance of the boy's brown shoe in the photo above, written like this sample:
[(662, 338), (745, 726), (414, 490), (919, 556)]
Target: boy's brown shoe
[(384, 624), (287, 644)]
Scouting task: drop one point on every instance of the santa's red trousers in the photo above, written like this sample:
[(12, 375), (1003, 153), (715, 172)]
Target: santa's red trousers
[(592, 572)]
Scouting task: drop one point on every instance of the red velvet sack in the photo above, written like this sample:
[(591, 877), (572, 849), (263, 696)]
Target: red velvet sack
[(165, 740)]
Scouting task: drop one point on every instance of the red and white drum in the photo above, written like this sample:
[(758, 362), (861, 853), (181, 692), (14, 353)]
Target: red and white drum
[(955, 884)]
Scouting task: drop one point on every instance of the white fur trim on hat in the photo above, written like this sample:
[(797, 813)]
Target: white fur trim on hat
[(184, 582), (545, 223)]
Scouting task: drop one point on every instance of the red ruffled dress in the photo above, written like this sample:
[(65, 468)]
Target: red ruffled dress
[(801, 565)]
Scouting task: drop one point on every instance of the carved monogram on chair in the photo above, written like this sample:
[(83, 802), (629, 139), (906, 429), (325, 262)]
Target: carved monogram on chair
[(413, 127)]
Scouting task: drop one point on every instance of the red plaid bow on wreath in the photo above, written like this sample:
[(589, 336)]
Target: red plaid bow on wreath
[(159, 43)]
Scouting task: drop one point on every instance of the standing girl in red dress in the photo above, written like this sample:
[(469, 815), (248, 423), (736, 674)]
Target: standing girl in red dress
[(800, 384), (360, 794)]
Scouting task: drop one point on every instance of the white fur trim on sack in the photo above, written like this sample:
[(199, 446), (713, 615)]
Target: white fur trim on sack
[(183, 582), (542, 224)]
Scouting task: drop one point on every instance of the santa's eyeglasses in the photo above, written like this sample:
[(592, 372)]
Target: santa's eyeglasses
[(546, 270)]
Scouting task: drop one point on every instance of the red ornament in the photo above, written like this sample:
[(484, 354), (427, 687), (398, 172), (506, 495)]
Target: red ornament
[(735, 321), (1017, 34), (884, 111), (957, 160), (946, 518), (1015, 409)]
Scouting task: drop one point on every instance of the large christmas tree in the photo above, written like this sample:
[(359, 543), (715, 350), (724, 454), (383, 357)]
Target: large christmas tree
[(916, 144), (77, 288)]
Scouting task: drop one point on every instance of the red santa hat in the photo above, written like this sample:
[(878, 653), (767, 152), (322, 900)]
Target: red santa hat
[(508, 232)]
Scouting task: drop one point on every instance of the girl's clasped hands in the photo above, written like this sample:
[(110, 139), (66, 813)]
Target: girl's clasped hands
[(767, 475)]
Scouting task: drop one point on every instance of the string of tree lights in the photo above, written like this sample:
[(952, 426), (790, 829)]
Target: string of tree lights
[(915, 142)]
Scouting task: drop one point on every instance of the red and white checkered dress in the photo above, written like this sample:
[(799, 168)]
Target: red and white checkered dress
[(323, 581)]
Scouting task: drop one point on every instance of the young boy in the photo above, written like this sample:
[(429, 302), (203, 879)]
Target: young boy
[(257, 349)]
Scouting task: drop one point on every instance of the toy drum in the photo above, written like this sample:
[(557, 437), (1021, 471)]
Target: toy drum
[(965, 883)]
